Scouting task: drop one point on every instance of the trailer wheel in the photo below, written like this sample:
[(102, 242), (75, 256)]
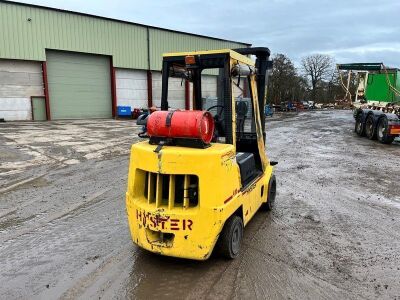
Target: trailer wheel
[(231, 236), (370, 128), (383, 130), (271, 195), (359, 128)]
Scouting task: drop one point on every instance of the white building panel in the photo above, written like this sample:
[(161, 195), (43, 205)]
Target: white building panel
[(209, 86), (176, 92), (131, 88), (238, 92), (19, 80)]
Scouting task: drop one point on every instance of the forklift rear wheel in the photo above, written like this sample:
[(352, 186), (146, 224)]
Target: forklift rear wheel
[(383, 130), (370, 128), (231, 236), (271, 195), (359, 128)]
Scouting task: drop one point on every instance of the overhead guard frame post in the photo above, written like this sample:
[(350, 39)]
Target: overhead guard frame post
[(263, 64), (164, 85), (187, 94)]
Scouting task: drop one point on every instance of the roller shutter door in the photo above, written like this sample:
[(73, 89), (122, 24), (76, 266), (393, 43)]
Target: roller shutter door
[(79, 85), (131, 88), (19, 80)]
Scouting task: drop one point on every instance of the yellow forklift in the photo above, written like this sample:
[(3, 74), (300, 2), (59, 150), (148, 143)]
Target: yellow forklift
[(200, 176)]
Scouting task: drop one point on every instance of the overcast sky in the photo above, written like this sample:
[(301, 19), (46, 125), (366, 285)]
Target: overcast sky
[(349, 30)]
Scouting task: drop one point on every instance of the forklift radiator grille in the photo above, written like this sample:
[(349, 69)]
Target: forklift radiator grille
[(171, 191)]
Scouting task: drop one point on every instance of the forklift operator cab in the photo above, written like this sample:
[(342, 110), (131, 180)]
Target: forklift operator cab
[(199, 177)]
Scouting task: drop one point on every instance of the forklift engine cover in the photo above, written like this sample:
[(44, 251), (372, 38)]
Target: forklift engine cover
[(194, 124)]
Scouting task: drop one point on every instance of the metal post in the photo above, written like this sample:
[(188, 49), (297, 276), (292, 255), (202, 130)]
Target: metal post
[(149, 89), (113, 90), (149, 74), (46, 90)]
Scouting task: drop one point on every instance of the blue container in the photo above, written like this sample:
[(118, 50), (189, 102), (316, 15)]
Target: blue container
[(269, 111), (124, 111)]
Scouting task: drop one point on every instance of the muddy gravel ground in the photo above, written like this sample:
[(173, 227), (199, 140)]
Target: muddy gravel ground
[(334, 233)]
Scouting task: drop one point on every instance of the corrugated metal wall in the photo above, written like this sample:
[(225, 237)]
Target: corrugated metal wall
[(23, 39), (127, 43)]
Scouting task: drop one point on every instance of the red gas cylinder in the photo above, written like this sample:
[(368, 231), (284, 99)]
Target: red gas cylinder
[(189, 124)]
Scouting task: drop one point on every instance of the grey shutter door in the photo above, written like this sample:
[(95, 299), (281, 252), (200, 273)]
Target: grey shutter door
[(79, 85)]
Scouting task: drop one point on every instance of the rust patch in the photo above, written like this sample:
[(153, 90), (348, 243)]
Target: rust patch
[(159, 156)]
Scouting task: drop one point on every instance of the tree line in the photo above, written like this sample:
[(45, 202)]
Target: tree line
[(317, 79)]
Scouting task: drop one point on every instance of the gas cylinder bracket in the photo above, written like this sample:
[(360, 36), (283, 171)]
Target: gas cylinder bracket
[(159, 146), (169, 119)]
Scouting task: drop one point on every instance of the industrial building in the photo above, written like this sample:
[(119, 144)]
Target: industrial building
[(57, 64)]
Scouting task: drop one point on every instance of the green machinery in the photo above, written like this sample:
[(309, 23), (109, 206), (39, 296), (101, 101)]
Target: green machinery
[(376, 101)]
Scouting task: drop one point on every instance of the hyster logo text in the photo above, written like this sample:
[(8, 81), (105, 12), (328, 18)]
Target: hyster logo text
[(158, 222)]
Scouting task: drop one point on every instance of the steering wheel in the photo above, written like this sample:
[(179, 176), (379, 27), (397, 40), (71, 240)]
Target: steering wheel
[(219, 120), (219, 112)]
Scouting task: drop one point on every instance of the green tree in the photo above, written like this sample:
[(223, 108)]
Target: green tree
[(283, 80)]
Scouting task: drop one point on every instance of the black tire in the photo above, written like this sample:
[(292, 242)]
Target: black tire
[(370, 128), (382, 131), (231, 237), (359, 127), (269, 204)]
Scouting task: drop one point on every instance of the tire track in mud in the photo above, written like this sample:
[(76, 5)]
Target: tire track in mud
[(91, 200), (73, 250), (59, 190), (342, 247), (242, 280), (21, 184), (49, 164), (96, 282), (18, 184)]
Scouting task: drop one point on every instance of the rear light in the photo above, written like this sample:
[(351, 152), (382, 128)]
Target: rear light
[(190, 60), (394, 129)]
